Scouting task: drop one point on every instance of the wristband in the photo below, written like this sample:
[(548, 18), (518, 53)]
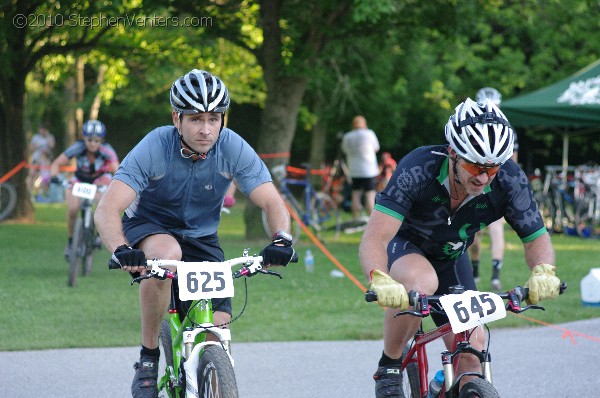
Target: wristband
[(282, 237)]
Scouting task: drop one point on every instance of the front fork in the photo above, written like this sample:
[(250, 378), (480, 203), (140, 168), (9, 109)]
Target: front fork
[(451, 385), (188, 342)]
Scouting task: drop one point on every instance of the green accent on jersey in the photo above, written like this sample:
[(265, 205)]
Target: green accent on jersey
[(462, 232), (443, 172), (440, 199), (534, 235), (451, 254), (389, 212)]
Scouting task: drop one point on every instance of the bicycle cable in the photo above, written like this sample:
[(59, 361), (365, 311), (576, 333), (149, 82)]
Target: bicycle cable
[(215, 309)]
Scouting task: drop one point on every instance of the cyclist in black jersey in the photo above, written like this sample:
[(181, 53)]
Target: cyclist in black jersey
[(95, 163), (425, 219)]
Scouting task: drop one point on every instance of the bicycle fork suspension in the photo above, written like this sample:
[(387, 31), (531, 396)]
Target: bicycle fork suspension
[(465, 348)]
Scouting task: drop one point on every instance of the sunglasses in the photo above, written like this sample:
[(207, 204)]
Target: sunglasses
[(477, 169)]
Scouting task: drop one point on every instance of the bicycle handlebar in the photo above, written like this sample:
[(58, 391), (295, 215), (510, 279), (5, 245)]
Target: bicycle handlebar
[(420, 301), (251, 265)]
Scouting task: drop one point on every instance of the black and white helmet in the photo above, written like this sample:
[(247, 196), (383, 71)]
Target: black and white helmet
[(480, 133), (199, 91), (490, 93)]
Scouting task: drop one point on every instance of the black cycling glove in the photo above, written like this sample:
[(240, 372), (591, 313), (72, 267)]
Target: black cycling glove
[(128, 256), (280, 251)]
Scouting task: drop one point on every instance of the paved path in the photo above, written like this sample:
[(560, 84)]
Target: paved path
[(531, 362)]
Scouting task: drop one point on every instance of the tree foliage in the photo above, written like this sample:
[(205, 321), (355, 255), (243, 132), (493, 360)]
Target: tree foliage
[(304, 69)]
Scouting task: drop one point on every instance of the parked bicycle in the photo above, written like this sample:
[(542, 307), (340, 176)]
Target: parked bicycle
[(587, 211), (196, 367), (316, 209), (8, 199), (465, 310), (571, 205), (85, 237)]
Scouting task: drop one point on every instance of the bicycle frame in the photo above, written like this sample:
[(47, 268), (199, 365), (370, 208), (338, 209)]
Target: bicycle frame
[(187, 342), (198, 283), (461, 324), (418, 354)]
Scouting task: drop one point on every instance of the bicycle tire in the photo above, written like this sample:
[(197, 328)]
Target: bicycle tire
[(411, 385), (88, 250), (478, 388), (75, 255), (548, 212), (216, 378), (166, 343), (8, 199), (584, 215), (294, 227), (325, 213)]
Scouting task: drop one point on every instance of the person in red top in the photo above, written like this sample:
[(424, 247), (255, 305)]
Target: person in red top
[(387, 166)]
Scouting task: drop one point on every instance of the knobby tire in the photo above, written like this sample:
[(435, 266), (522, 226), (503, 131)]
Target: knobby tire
[(410, 378), (75, 255), (478, 388), (166, 343), (88, 250), (216, 378)]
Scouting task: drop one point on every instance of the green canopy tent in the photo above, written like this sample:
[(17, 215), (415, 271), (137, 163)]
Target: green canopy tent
[(570, 106)]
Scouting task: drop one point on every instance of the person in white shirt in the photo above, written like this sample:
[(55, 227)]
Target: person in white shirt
[(361, 146)]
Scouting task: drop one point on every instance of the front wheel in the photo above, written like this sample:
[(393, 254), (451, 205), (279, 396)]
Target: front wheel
[(166, 343), (75, 251), (90, 246), (215, 374), (410, 378), (478, 388)]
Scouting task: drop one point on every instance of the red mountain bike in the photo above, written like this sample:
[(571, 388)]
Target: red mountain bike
[(465, 310)]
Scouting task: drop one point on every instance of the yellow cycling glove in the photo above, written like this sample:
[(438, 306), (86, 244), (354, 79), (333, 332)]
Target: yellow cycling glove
[(543, 283), (389, 292)]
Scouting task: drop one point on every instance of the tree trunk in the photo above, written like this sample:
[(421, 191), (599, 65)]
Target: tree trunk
[(13, 148), (318, 142), (278, 126), (95, 110)]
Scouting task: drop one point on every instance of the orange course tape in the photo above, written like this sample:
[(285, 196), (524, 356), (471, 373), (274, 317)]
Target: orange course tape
[(323, 248)]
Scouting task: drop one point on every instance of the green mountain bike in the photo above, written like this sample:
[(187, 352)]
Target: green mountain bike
[(196, 367)]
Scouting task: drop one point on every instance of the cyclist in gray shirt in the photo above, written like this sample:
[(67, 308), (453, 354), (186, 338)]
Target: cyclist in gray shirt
[(170, 188)]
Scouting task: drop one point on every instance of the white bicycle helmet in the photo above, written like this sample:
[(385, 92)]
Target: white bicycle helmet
[(199, 91), (490, 93), (480, 133)]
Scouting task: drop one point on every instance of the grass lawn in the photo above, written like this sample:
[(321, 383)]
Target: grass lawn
[(41, 312)]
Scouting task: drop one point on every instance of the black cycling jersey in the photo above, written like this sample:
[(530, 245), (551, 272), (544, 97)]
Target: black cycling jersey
[(418, 195)]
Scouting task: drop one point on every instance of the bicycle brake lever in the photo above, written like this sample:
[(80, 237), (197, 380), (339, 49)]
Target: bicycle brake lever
[(414, 313), (140, 278), (527, 307), (277, 274)]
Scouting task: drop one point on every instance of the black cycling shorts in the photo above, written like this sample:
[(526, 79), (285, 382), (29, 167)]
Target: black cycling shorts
[(450, 273), (205, 248), (363, 184)]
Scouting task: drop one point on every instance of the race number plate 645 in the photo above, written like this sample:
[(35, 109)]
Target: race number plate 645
[(471, 308), (213, 280)]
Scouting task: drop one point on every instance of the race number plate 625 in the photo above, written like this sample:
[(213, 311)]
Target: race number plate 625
[(471, 308), (213, 280)]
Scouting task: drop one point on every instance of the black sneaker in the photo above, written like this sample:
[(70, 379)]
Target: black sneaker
[(144, 381), (388, 382)]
